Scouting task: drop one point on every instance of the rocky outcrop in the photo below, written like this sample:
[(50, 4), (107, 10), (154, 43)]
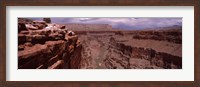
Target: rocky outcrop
[(48, 48), (48, 20)]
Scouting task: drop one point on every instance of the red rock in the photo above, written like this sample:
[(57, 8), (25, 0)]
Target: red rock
[(37, 55), (42, 48)]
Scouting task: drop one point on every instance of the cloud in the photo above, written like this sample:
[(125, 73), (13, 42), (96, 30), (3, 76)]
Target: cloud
[(125, 23)]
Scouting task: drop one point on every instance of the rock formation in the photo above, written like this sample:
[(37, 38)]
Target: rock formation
[(48, 20), (47, 46)]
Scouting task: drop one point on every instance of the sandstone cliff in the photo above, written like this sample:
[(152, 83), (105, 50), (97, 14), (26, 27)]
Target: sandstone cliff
[(43, 45)]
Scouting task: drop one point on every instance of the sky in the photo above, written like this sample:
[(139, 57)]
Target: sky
[(122, 23)]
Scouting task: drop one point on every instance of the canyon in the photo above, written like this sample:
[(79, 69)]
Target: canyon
[(96, 46), (122, 50)]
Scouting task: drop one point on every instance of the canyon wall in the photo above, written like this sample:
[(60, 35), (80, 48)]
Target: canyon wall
[(48, 48), (155, 58)]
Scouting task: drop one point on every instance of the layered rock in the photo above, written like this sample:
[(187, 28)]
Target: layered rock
[(48, 48), (159, 59)]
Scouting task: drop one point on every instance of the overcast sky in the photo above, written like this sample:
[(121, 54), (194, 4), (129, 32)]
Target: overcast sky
[(125, 23)]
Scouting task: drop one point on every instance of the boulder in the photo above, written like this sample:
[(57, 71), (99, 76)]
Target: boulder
[(71, 38), (47, 20), (70, 33)]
